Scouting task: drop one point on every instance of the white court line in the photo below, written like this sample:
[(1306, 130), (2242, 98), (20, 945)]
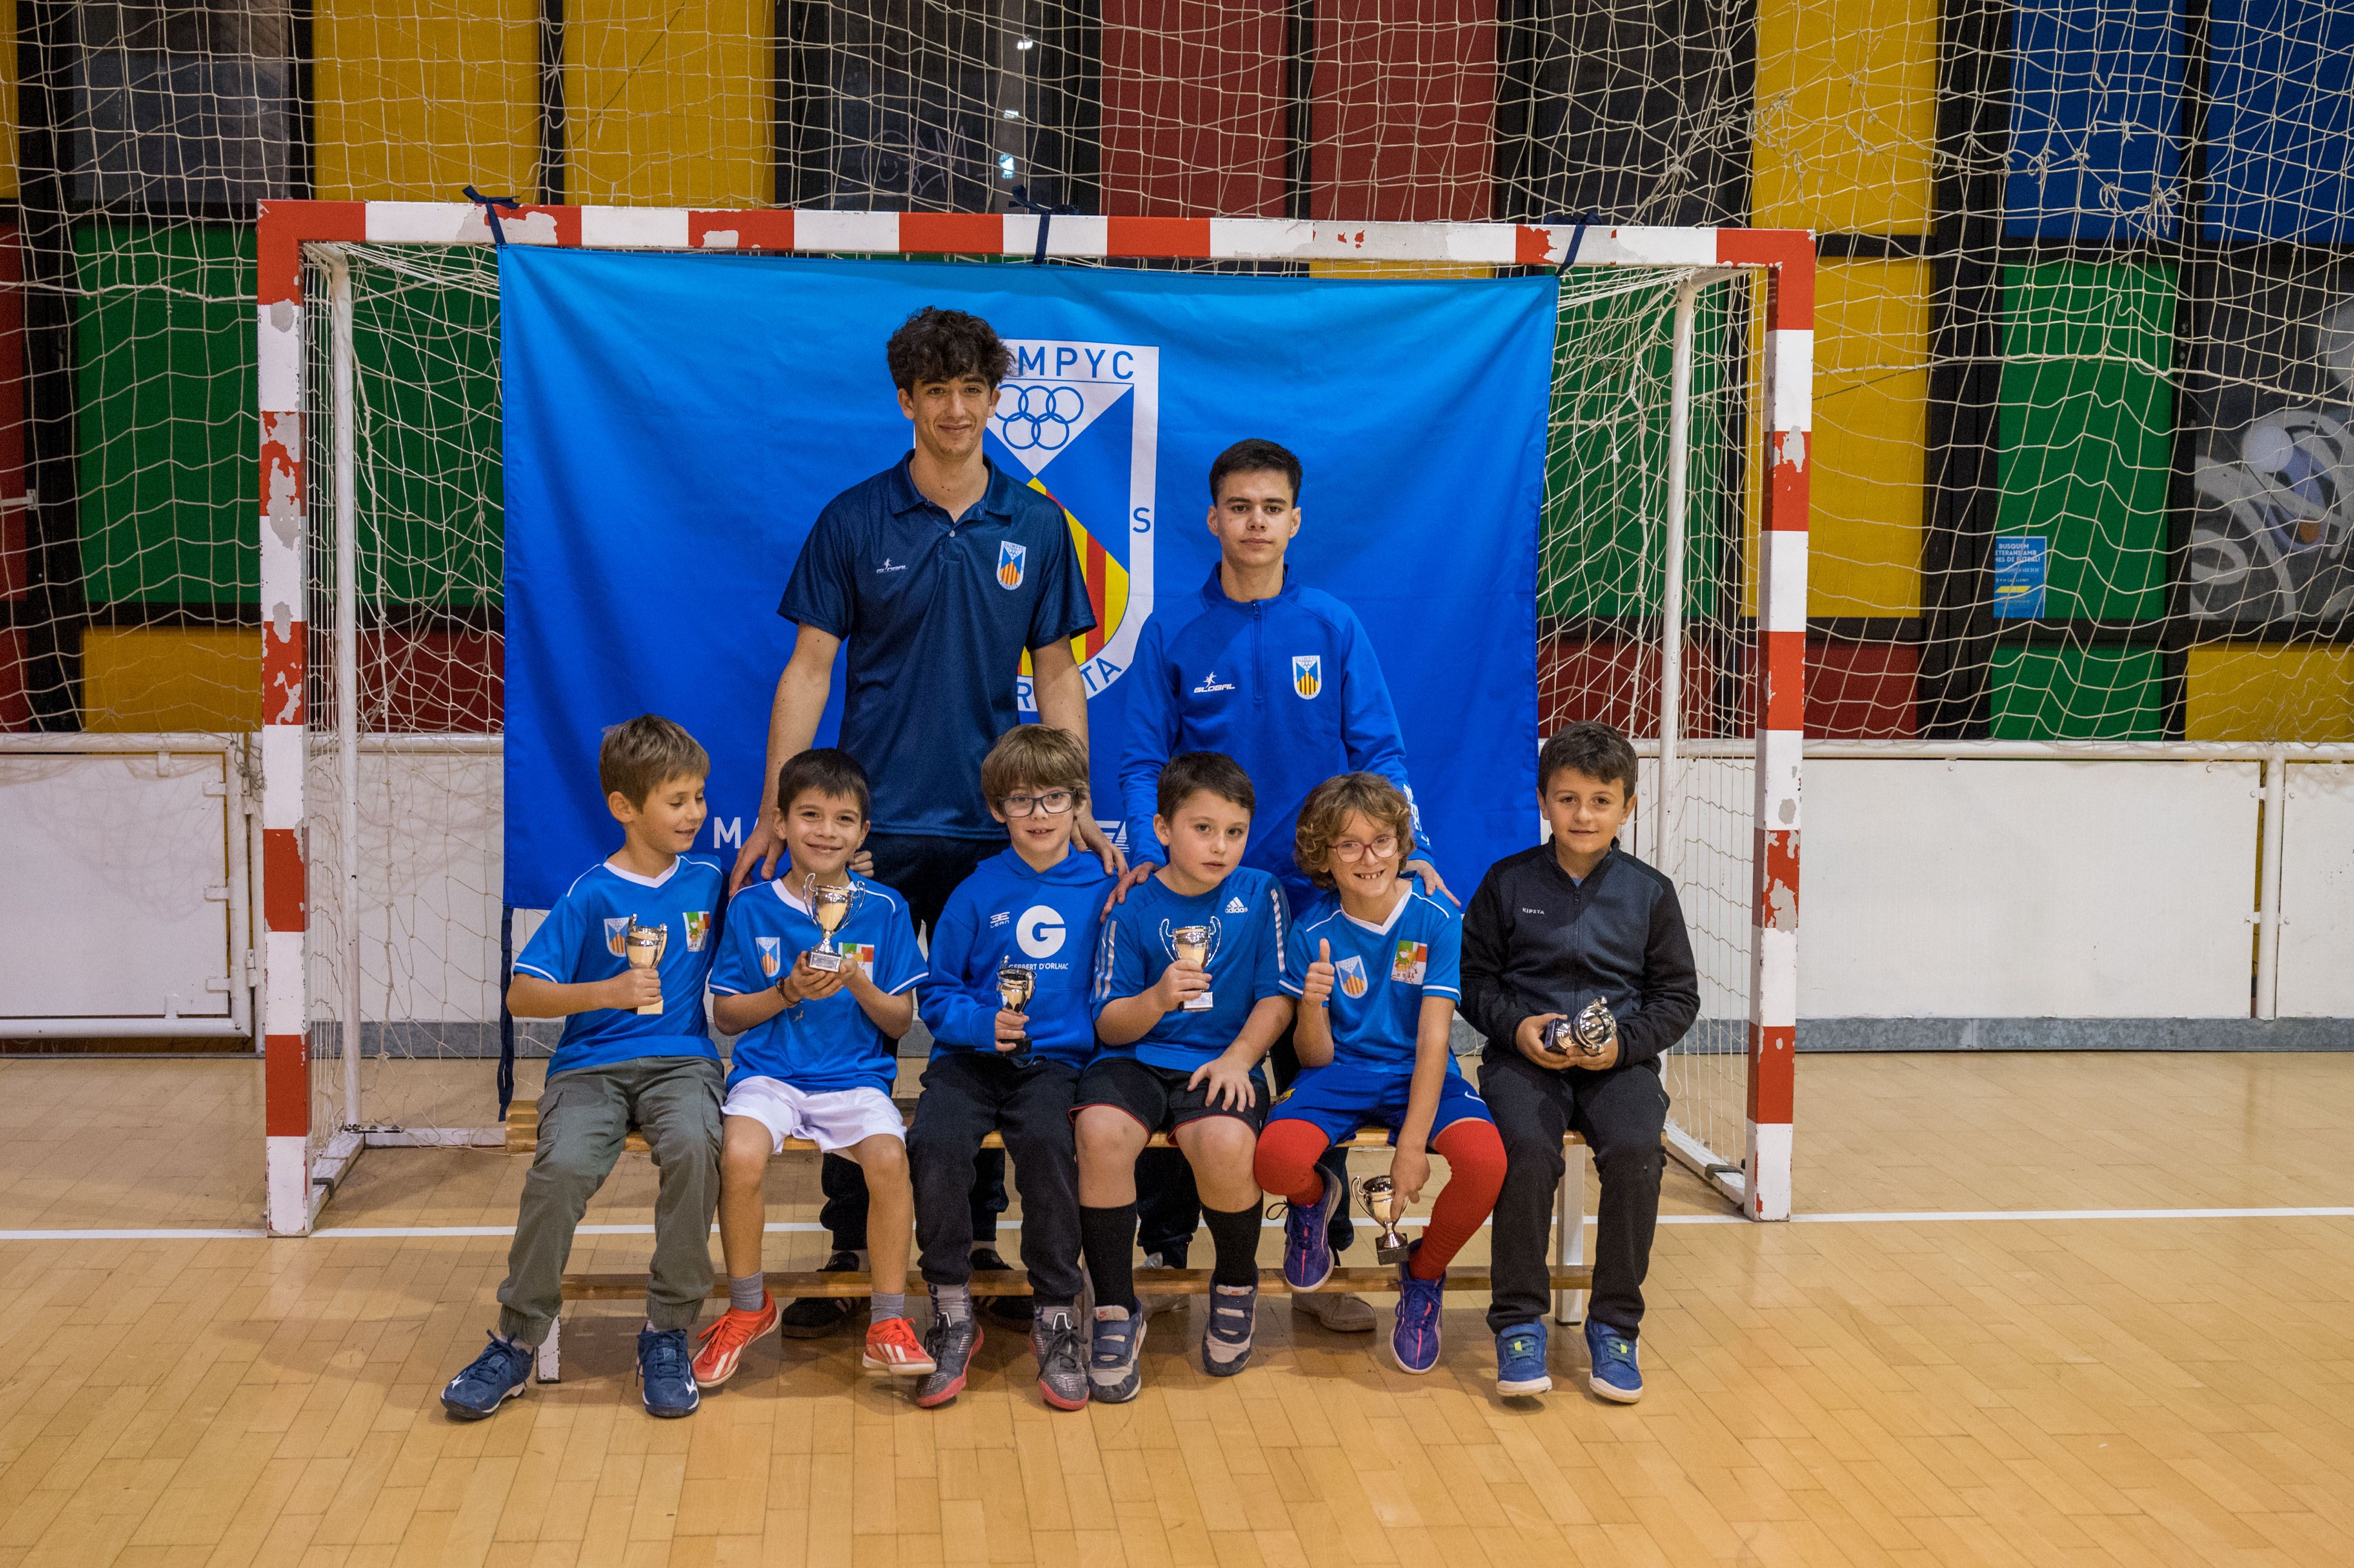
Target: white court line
[(1895, 1217)]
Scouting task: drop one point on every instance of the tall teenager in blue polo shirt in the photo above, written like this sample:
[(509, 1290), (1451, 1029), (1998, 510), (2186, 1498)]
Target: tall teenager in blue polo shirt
[(939, 574), (1282, 678)]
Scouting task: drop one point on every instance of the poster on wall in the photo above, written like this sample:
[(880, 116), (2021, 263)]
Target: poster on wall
[(2272, 541)]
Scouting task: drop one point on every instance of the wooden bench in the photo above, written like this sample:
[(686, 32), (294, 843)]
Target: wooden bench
[(1571, 1275)]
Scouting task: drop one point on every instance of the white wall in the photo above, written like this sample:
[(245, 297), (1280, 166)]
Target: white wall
[(2316, 945), (2028, 889)]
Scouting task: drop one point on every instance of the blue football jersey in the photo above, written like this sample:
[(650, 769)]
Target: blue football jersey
[(829, 1044), (582, 941), (1246, 916), (1383, 974)]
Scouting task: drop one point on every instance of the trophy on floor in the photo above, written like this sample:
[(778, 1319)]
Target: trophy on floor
[(1379, 1196), (831, 908), (1015, 985), (1192, 944), (643, 947), (1588, 1034)]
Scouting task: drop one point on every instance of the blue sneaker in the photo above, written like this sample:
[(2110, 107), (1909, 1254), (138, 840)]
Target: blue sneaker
[(1413, 1338), (1113, 1376), (493, 1378), (1521, 1359), (1227, 1343), (666, 1373), (1615, 1375), (1308, 1239)]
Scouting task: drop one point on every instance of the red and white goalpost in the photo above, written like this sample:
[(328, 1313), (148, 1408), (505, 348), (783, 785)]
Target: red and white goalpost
[(379, 860)]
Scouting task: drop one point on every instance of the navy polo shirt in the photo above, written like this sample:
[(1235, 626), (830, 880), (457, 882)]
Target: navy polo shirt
[(937, 614)]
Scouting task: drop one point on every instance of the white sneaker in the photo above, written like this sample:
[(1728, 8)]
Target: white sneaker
[(1337, 1314)]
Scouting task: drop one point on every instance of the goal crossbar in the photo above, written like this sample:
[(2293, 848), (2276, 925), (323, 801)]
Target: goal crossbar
[(298, 1178)]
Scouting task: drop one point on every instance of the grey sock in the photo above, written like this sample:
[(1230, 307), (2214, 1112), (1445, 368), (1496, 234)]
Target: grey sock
[(745, 1294), (952, 1302), (886, 1307)]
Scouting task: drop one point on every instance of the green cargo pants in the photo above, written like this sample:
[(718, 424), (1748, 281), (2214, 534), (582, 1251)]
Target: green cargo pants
[(584, 1114)]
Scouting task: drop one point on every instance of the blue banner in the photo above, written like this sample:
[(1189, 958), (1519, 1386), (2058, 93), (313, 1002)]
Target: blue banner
[(674, 424)]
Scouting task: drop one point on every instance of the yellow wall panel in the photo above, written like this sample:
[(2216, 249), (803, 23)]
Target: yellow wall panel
[(418, 98), (670, 102), (160, 679), (2238, 692), (1868, 457), (1847, 115)]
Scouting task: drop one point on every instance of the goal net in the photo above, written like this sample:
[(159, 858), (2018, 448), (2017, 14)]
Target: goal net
[(1654, 545)]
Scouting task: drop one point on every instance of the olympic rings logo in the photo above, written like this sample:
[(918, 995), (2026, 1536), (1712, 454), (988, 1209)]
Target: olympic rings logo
[(1039, 419)]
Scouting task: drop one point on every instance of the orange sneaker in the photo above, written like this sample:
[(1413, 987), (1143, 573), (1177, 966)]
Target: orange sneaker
[(723, 1343), (892, 1348)]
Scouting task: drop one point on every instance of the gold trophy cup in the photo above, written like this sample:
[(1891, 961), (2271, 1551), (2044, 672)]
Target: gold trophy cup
[(1015, 986), (1379, 1196), (1193, 946), (644, 948), (1588, 1034), (829, 907)]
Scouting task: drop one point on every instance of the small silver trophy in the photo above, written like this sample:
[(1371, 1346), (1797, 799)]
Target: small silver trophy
[(1379, 1196), (644, 948), (1590, 1033), (830, 906), (1015, 986), (1193, 947)]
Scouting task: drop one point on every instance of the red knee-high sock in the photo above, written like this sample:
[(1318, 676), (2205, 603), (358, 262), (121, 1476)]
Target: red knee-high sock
[(1475, 1174), (1286, 1160)]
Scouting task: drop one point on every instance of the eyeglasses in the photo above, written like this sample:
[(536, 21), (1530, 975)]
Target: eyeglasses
[(1355, 848), (1054, 802)]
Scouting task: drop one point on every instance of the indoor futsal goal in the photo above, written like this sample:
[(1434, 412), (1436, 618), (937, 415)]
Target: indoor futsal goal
[(1672, 570)]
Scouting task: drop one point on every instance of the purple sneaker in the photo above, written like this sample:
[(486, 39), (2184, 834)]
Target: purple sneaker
[(1413, 1339), (1307, 1240)]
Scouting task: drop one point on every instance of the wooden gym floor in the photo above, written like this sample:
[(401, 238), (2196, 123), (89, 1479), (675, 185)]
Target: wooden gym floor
[(1952, 1386)]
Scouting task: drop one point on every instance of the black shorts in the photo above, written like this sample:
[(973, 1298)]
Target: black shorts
[(1156, 1097)]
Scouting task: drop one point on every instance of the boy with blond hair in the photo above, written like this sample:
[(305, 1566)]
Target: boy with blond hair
[(634, 1053), (1030, 914)]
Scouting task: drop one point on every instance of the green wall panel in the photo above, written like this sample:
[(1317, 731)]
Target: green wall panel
[(2077, 694), (2087, 431)]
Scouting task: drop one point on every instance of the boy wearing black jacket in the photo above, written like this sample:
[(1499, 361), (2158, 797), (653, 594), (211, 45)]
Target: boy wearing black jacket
[(1551, 929)]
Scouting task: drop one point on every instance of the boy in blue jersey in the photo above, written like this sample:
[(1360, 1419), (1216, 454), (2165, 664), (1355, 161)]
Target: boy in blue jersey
[(635, 1053), (1376, 1001), (1280, 676), (1035, 907), (818, 1017), (1190, 992)]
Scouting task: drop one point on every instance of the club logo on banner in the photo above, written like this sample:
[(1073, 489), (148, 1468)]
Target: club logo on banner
[(1049, 413)]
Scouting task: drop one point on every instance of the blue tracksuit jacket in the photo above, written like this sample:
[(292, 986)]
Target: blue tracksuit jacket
[(1288, 688)]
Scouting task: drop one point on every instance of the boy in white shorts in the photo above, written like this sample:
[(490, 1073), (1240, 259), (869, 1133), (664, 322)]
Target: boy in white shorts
[(817, 1055)]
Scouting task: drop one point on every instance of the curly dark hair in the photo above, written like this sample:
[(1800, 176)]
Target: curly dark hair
[(935, 344)]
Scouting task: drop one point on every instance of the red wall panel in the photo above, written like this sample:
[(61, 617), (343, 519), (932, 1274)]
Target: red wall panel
[(1405, 109), (1619, 684), (1862, 691), (433, 682), (1193, 108)]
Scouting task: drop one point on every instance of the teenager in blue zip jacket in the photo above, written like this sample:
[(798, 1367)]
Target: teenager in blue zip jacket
[(1282, 678)]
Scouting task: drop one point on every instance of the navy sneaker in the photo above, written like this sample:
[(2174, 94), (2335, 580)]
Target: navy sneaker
[(666, 1373), (1615, 1375), (1227, 1343), (491, 1380), (1113, 1376), (1413, 1338), (1521, 1359), (1308, 1239)]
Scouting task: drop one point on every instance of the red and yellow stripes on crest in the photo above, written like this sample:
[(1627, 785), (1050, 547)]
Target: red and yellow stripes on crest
[(1107, 582)]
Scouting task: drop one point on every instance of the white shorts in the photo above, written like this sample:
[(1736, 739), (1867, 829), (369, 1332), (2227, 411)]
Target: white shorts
[(833, 1119)]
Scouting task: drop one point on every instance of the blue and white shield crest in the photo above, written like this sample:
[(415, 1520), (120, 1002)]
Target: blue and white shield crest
[(1307, 674), (1008, 564), (772, 958)]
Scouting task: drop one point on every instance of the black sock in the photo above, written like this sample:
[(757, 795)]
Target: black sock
[(1108, 1238), (1235, 1233)]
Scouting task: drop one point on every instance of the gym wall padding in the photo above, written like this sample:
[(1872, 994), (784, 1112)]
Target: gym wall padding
[(417, 101), (668, 102), (1869, 452), (1846, 115), (2095, 120), (2282, 121), (2077, 691), (2242, 691)]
